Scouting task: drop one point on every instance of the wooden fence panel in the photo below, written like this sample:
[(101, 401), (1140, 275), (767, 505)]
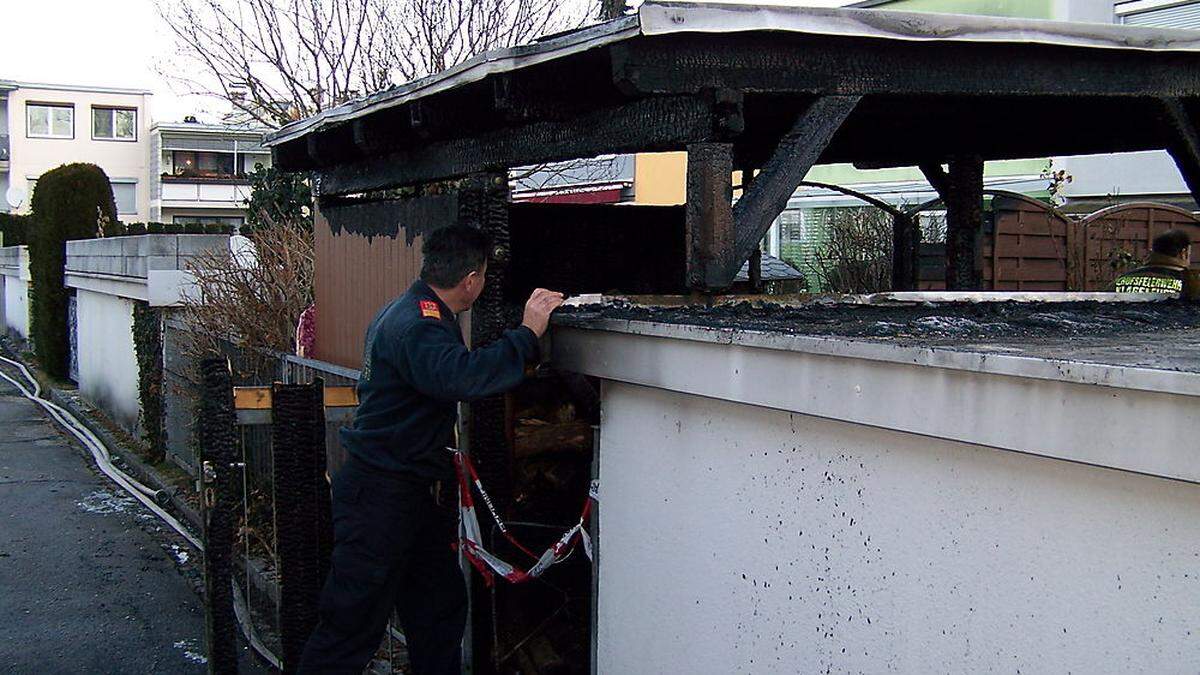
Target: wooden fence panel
[(1032, 246), (1119, 238)]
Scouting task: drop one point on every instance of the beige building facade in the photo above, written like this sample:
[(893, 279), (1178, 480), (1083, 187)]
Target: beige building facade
[(48, 125)]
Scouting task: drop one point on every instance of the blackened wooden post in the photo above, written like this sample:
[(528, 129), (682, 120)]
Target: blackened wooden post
[(303, 532), (709, 214), (754, 270), (961, 190), (219, 499), (754, 264), (906, 245), (483, 204)]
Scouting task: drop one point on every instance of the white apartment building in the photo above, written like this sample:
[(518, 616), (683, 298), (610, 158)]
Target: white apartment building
[(199, 171), (43, 126)]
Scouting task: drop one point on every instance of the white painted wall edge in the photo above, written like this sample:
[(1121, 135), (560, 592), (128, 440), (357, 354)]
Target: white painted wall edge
[(21, 268), (134, 288), (169, 288), (1063, 370), (1130, 429), (159, 288)]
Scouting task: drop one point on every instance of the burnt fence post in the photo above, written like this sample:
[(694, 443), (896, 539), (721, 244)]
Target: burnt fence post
[(906, 251), (303, 524), (483, 204), (219, 497), (961, 190)]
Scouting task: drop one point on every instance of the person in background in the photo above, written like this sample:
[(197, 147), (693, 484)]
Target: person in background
[(1166, 270), (395, 507), (306, 332)]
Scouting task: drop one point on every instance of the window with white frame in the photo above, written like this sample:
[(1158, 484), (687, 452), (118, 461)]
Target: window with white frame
[(49, 120), (114, 124)]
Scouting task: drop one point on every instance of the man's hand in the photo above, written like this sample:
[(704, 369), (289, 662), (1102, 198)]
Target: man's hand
[(538, 309)]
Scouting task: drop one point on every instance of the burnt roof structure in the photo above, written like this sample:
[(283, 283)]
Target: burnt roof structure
[(776, 90)]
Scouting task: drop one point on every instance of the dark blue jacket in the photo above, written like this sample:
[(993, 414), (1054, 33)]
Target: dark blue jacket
[(415, 370)]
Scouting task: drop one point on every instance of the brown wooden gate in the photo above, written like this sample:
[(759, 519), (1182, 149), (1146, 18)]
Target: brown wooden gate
[(1031, 246), (1118, 238)]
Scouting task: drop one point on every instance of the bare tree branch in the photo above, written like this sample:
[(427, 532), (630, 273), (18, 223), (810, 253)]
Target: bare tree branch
[(276, 61)]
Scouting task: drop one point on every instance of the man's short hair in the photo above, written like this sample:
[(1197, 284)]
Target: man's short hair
[(452, 253), (1171, 242)]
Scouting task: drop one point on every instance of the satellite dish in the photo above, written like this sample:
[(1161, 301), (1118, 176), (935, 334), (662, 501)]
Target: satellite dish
[(15, 196)]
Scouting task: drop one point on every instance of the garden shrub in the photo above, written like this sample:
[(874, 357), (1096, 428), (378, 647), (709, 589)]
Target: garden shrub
[(70, 202), (14, 229)]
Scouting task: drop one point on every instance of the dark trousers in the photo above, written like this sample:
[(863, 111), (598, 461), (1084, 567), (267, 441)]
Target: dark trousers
[(392, 549)]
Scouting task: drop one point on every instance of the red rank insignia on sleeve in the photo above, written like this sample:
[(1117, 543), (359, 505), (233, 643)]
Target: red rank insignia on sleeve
[(430, 309)]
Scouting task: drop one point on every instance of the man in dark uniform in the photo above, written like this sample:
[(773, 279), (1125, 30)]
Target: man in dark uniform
[(394, 501), (1165, 271)]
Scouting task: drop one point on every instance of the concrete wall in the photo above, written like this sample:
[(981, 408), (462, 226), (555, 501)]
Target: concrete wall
[(14, 281), (108, 370), (108, 276), (31, 157), (736, 538), (16, 306)]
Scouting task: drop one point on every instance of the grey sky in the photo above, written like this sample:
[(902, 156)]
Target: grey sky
[(113, 43)]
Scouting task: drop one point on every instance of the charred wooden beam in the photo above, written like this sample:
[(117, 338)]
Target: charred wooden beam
[(767, 196), (1183, 119), (709, 215), (851, 66), (652, 124), (961, 190)]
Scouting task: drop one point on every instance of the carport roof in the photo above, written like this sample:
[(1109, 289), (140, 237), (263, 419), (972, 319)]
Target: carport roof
[(659, 19)]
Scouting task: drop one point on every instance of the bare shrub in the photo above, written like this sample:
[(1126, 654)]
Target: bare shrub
[(856, 256), (254, 301)]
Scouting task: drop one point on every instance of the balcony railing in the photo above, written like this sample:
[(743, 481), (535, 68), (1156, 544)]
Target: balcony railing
[(3, 147), (231, 193)]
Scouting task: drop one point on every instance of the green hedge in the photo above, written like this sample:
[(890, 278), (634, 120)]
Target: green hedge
[(70, 202), (14, 229), (119, 229)]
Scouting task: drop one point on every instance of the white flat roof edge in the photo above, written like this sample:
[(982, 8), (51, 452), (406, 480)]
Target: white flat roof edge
[(88, 88), (1061, 370)]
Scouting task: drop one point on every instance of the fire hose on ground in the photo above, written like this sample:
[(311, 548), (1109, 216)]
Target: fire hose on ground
[(149, 497)]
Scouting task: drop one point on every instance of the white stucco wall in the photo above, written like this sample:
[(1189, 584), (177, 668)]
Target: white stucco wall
[(16, 305), (736, 538), (108, 371), (14, 284)]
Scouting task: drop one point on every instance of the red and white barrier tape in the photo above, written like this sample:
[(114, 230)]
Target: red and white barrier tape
[(488, 564)]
